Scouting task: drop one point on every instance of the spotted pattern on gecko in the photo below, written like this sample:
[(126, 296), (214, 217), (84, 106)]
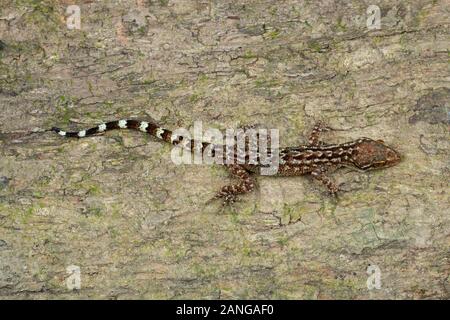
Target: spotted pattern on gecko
[(315, 159)]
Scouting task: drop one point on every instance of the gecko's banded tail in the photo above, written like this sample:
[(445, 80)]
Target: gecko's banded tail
[(144, 126)]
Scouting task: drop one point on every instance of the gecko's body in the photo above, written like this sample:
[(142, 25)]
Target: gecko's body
[(315, 158)]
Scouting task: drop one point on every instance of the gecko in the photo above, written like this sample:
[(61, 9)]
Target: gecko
[(316, 158)]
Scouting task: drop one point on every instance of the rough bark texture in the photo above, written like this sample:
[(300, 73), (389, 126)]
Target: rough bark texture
[(139, 226)]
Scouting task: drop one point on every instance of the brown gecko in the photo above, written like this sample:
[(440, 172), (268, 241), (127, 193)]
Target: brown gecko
[(315, 158)]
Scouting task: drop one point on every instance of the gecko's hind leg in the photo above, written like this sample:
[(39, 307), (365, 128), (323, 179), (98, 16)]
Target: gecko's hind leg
[(246, 184), (315, 133)]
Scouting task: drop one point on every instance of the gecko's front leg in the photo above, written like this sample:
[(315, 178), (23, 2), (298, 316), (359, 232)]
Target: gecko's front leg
[(315, 133), (246, 184), (319, 174)]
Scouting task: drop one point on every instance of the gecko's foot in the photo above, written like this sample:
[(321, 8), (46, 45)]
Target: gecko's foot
[(334, 192), (227, 199)]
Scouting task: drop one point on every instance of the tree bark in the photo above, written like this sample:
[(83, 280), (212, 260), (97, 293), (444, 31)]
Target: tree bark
[(135, 225)]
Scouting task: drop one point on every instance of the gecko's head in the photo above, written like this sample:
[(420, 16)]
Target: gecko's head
[(374, 154)]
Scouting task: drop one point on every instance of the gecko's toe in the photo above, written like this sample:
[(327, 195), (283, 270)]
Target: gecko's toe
[(334, 193)]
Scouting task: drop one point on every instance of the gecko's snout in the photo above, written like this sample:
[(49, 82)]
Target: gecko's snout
[(392, 156)]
